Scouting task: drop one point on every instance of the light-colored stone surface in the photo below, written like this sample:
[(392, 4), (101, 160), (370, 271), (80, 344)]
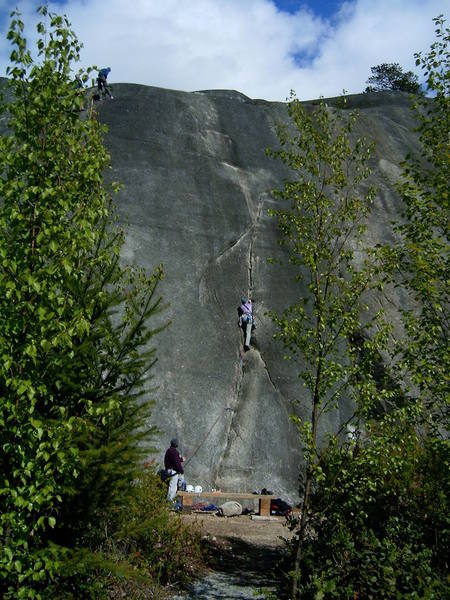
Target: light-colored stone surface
[(225, 586), (197, 187)]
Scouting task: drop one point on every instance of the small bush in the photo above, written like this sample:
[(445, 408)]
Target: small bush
[(157, 539), (133, 552), (380, 525)]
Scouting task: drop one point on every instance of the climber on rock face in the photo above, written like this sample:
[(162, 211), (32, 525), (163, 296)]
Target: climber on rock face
[(245, 312)]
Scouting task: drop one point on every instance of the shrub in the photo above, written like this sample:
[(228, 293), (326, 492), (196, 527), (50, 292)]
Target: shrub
[(380, 520)]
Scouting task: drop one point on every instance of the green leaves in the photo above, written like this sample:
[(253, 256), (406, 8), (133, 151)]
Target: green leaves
[(76, 342), (325, 219), (390, 76), (420, 260), (376, 499), (383, 509), (322, 219)]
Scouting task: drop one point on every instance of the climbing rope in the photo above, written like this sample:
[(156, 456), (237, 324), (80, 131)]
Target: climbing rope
[(207, 435)]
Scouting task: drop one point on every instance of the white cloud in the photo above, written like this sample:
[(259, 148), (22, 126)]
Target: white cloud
[(245, 45), (371, 33)]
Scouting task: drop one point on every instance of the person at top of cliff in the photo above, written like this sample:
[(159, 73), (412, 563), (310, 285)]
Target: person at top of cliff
[(245, 312), (103, 89), (173, 463)]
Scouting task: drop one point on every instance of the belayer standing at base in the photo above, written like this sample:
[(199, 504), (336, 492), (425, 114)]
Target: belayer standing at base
[(103, 89), (173, 465), (245, 312)]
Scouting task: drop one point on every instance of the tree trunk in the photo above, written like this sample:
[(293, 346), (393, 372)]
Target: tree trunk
[(305, 503)]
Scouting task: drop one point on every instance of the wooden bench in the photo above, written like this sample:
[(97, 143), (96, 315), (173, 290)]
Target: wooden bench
[(264, 501)]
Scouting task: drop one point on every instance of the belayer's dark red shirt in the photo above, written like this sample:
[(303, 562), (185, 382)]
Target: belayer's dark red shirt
[(172, 460)]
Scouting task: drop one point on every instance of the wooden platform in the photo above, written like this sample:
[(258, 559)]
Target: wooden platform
[(264, 501)]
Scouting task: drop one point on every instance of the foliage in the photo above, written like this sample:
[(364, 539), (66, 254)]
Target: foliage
[(167, 548), (420, 261), (75, 336), (322, 221), (137, 548), (381, 517), (390, 76), (377, 520), (322, 229)]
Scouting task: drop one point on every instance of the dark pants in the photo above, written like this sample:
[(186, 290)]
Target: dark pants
[(103, 89)]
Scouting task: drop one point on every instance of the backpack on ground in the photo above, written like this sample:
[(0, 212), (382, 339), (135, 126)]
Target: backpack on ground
[(280, 507)]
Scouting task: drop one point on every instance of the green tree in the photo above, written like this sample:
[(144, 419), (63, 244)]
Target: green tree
[(379, 511), (390, 76), (380, 515), (75, 336), (419, 262), (322, 222)]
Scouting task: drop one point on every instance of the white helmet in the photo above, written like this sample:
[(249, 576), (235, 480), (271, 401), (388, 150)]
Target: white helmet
[(198, 489), (189, 488)]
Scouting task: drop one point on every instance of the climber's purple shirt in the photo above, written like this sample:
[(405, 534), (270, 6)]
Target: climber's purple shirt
[(247, 308)]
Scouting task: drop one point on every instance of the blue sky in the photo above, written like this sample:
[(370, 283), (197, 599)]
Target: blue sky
[(323, 8), (262, 48)]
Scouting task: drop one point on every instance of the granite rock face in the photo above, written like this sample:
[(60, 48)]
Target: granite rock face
[(197, 188)]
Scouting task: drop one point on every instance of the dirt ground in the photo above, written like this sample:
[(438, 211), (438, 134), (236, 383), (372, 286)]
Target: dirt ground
[(269, 534), (252, 551)]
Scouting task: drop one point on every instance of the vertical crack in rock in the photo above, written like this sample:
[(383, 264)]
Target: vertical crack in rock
[(275, 387), (268, 372), (203, 289), (233, 429), (232, 425), (242, 177), (250, 284), (253, 231), (256, 398)]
